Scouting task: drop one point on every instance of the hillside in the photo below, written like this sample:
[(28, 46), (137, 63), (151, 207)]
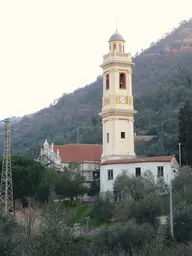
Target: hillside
[(163, 60), (161, 84)]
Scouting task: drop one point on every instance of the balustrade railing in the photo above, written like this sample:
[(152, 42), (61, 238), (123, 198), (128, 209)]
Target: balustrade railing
[(118, 56)]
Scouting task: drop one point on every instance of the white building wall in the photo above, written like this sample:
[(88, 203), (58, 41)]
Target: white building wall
[(86, 168), (107, 185)]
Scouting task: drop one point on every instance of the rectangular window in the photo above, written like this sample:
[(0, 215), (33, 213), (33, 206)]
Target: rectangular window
[(107, 137), (110, 174), (138, 171), (160, 171), (107, 82), (122, 135)]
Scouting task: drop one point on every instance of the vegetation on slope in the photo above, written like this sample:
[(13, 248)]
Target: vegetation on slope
[(133, 227), (162, 60), (31, 179)]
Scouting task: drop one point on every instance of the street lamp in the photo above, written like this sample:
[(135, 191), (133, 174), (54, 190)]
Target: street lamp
[(180, 154), (171, 208)]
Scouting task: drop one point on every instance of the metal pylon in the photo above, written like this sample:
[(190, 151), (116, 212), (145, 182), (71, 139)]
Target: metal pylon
[(6, 188)]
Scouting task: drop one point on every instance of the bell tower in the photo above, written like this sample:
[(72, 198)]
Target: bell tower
[(117, 102)]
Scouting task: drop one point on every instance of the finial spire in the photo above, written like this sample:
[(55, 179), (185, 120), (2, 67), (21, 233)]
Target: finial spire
[(117, 20)]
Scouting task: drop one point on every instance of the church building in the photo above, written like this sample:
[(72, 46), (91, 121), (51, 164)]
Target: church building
[(118, 122), (117, 154), (86, 155)]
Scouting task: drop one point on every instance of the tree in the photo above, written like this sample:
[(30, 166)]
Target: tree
[(103, 208), (27, 175), (141, 199), (183, 222), (71, 182), (135, 187), (47, 186), (182, 185), (94, 188), (185, 133)]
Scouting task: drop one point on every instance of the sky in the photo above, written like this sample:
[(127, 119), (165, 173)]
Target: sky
[(51, 47)]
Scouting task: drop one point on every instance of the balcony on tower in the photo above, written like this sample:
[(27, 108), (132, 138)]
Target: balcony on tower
[(117, 57)]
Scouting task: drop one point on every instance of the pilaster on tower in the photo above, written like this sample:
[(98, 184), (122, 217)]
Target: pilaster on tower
[(117, 102)]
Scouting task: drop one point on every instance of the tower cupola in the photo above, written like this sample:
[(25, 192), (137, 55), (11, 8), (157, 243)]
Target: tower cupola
[(116, 43)]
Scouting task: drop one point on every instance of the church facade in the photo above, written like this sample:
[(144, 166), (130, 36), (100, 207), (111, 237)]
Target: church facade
[(117, 154)]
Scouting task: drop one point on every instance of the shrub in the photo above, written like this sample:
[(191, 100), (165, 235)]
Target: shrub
[(127, 236), (103, 208)]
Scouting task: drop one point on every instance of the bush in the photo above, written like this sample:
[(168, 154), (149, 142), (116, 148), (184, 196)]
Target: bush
[(183, 223), (103, 208), (128, 237)]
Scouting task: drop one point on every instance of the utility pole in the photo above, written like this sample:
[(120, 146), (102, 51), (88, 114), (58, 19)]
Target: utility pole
[(87, 218), (6, 188), (180, 154), (77, 134), (171, 208)]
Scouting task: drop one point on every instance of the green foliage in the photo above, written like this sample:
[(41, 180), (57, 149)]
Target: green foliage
[(27, 178), (94, 188), (185, 133), (139, 199), (183, 223), (31, 179), (71, 184), (146, 210), (181, 185), (128, 236), (54, 237), (182, 198), (7, 225), (135, 187), (103, 208)]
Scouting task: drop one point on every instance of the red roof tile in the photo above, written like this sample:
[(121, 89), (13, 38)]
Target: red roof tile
[(139, 160), (79, 152)]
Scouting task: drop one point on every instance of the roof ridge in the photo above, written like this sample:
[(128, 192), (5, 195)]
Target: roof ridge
[(77, 144), (139, 159)]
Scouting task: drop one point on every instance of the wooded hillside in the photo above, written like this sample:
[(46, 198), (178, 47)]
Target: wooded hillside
[(161, 84)]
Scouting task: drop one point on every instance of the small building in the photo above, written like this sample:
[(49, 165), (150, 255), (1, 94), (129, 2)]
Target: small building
[(164, 167), (86, 155)]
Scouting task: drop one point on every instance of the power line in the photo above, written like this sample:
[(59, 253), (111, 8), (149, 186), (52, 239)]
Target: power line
[(6, 188)]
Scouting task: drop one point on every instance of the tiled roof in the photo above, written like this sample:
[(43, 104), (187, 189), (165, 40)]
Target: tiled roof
[(79, 152), (139, 160)]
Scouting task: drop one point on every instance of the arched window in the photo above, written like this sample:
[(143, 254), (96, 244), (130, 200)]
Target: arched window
[(114, 47), (122, 81), (120, 48), (107, 81)]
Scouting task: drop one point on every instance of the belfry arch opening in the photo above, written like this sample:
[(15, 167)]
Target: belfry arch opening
[(122, 81)]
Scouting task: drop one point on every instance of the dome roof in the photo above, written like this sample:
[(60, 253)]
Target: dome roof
[(116, 37)]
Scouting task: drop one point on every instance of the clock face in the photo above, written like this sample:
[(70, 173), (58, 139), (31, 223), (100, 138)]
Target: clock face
[(122, 99)]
